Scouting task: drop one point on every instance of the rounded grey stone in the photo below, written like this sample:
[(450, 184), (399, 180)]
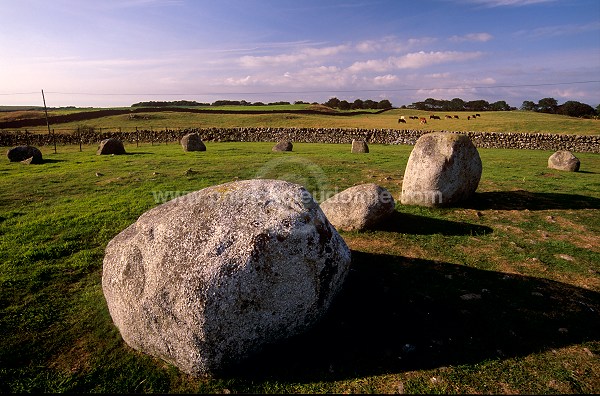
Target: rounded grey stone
[(110, 146), (26, 154), (358, 208), (192, 142), (443, 169), (209, 278), (564, 160)]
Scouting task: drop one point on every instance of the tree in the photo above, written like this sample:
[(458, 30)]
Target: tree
[(456, 104), (478, 105), (344, 105), (548, 105), (333, 103), (369, 104), (358, 104), (598, 110), (384, 104), (528, 105), (500, 105), (573, 108)]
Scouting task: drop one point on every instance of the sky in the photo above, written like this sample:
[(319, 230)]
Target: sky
[(113, 53)]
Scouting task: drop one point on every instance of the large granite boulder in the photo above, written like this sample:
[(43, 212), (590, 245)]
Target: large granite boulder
[(205, 280), (110, 146), (359, 146), (283, 146), (443, 169), (26, 154), (192, 142), (358, 208), (564, 160)]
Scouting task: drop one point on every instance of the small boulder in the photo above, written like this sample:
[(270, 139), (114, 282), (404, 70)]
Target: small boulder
[(283, 146), (207, 279), (443, 169), (192, 142), (111, 146), (358, 208), (564, 160), (359, 146), (25, 154)]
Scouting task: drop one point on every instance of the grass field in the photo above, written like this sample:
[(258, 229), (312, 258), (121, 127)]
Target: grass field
[(512, 121), (500, 295)]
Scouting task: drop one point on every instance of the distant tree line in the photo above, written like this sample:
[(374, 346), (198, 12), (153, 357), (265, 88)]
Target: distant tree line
[(192, 103), (546, 105), (458, 104), (358, 104), (570, 108)]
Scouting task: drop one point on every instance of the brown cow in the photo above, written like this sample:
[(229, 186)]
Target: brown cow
[(423, 120)]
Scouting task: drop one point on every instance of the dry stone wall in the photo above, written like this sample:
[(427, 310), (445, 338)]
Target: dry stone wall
[(515, 140)]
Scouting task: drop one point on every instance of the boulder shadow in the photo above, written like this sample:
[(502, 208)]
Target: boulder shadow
[(406, 223), (521, 200), (399, 314)]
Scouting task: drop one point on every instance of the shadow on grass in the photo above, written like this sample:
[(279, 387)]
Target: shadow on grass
[(422, 225), (521, 200), (397, 314)]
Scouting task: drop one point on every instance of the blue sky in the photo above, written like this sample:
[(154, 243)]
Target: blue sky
[(115, 53)]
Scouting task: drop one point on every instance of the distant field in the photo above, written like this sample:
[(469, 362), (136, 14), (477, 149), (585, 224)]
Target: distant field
[(513, 121)]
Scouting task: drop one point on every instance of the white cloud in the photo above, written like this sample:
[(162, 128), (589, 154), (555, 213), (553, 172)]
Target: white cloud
[(239, 81), (509, 3), (303, 55), (477, 37), (413, 60), (559, 30), (386, 80)]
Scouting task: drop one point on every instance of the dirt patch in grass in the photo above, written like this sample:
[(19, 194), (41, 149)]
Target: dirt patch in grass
[(74, 360)]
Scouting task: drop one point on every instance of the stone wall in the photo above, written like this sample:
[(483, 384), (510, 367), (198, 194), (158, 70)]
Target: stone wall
[(532, 141)]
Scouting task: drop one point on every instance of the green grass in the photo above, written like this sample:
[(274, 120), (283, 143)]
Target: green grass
[(527, 246), (493, 121)]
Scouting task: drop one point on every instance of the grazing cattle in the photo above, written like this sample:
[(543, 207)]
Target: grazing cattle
[(468, 117), (401, 120), (423, 120), (456, 117), (402, 117), (478, 115), (434, 117), (447, 117), (414, 117)]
